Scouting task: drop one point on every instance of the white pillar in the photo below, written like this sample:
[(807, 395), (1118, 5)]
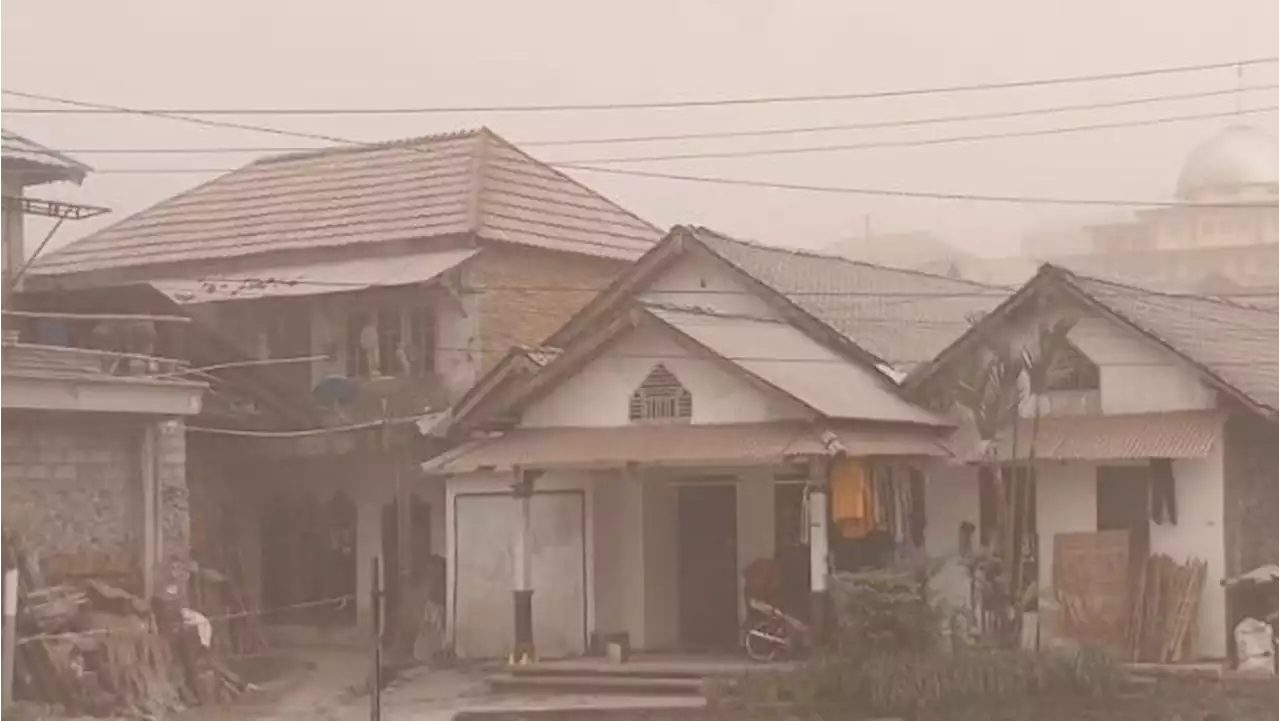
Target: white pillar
[(819, 549), (522, 593)]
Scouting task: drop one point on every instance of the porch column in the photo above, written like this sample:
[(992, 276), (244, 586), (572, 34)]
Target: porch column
[(819, 544), (522, 490)]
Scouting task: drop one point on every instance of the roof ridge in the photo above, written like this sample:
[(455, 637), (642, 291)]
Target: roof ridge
[(835, 256), (570, 179), (706, 311), (356, 147), (1217, 300)]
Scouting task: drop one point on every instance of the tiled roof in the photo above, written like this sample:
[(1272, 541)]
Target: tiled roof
[(1235, 342), (784, 357), (467, 182), (904, 317), (32, 157)]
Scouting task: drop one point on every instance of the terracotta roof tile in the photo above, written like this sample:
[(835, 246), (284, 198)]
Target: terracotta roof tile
[(468, 182)]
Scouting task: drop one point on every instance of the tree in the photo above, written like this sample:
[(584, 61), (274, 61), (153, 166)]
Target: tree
[(990, 391)]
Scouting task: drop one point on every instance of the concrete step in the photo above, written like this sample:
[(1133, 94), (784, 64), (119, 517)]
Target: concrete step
[(594, 684), (604, 671)]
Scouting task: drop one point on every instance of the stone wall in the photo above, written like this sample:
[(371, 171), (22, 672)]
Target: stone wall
[(1249, 493), (73, 489), (174, 505)]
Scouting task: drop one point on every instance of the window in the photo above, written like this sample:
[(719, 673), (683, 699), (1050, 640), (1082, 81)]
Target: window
[(660, 398), (1072, 371), (390, 343)]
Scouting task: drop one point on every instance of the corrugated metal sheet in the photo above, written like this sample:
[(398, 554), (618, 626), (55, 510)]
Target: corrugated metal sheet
[(904, 317), (27, 153), (433, 186), (741, 444), (316, 278), (787, 359), (1186, 434)]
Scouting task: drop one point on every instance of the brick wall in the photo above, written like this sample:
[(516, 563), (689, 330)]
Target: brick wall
[(509, 317), (1249, 494), (73, 489)]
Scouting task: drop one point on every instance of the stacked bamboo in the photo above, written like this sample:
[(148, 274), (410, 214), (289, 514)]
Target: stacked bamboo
[(1164, 608)]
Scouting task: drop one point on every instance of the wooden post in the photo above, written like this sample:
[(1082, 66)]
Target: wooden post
[(10, 628), (375, 677)]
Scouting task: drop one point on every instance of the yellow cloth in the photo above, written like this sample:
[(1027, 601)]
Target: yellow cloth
[(851, 498)]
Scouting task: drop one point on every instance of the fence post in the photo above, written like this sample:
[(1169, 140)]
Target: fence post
[(375, 678), (10, 628)]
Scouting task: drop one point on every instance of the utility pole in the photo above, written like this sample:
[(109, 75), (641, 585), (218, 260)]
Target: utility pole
[(375, 676)]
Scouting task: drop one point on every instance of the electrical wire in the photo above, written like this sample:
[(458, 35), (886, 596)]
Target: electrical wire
[(718, 102), (911, 143), (712, 135), (882, 192), (761, 152)]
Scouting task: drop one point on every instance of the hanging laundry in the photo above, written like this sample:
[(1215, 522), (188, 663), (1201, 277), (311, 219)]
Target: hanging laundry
[(852, 499), (1164, 498)]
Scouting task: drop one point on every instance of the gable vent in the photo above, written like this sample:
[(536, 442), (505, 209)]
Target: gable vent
[(660, 397)]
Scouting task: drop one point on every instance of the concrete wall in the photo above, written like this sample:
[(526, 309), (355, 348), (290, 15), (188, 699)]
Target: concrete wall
[(1066, 502), (1134, 375), (696, 281), (951, 498), (599, 393), (1249, 494), (631, 552)]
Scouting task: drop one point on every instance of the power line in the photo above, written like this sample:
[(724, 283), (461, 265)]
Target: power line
[(728, 134), (923, 142), (882, 192), (751, 100), (888, 192)]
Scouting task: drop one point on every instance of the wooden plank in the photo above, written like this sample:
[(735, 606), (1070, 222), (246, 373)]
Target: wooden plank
[(1091, 578)]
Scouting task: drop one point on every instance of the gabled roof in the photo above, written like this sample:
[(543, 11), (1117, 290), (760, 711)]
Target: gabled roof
[(903, 317), (769, 353), (784, 358), (471, 182), (900, 318), (35, 163), (1233, 346)]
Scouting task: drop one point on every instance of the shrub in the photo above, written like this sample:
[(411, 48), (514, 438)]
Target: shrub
[(887, 659)]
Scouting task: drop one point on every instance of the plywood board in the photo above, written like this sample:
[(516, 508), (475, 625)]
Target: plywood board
[(1091, 579)]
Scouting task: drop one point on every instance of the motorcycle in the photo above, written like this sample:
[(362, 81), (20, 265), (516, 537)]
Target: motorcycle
[(771, 634)]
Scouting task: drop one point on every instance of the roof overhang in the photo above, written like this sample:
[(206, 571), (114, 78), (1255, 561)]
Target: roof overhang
[(1137, 436), (44, 391), (316, 278), (679, 445)]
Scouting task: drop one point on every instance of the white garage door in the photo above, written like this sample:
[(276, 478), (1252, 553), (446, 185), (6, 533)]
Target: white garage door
[(483, 618)]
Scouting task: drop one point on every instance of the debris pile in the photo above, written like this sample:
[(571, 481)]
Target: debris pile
[(1164, 608), (94, 648)]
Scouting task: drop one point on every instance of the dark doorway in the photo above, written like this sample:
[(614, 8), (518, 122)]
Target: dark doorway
[(419, 545), (707, 517), (1124, 504), (791, 546)]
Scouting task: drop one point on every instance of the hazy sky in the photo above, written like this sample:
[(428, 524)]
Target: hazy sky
[(386, 53)]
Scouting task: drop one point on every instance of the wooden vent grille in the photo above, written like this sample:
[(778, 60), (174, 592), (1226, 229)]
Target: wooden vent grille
[(661, 398)]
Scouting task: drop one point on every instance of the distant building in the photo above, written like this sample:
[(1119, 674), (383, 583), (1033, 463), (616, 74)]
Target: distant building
[(1205, 247)]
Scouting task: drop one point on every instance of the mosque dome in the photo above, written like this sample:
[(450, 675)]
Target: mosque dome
[(1237, 160)]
